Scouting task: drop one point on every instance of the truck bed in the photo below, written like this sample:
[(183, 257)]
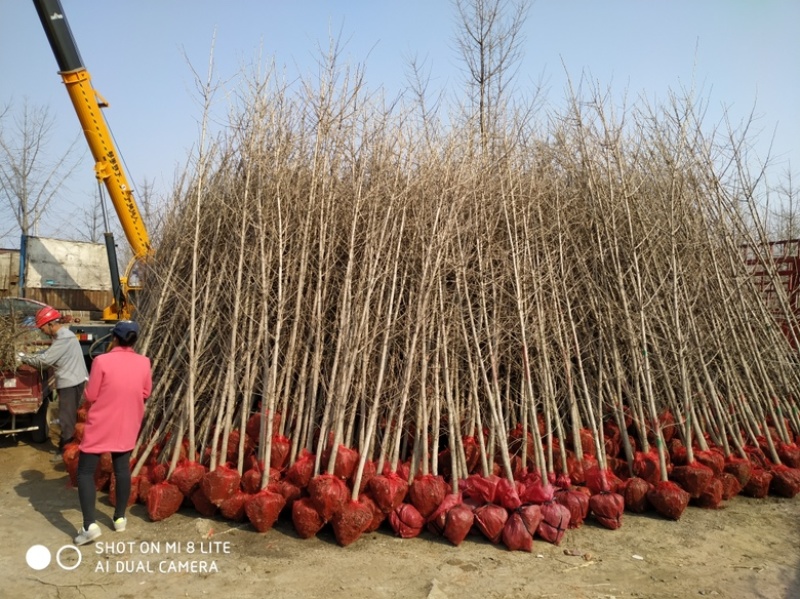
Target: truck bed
[(24, 395)]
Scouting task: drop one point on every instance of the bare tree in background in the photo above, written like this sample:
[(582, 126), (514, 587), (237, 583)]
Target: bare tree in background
[(787, 220), (488, 38), (93, 226), (29, 177), (150, 207), (151, 218)]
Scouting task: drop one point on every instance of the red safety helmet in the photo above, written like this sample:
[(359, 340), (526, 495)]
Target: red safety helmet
[(45, 315)]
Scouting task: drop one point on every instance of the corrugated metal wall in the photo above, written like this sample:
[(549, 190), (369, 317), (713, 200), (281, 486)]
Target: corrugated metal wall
[(71, 299)]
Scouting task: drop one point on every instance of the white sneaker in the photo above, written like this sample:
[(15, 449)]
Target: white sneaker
[(88, 535), (120, 523)]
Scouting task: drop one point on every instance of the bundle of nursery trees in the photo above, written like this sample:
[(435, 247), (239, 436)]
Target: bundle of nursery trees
[(9, 329), (393, 285), (397, 279), (17, 335)]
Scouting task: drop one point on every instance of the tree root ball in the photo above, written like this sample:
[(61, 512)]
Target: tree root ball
[(263, 509), (406, 521), (219, 484), (350, 522), (163, 500), (668, 499), (491, 518), (555, 522), (306, 519)]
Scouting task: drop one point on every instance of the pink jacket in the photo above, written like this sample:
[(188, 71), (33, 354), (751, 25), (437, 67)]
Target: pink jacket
[(119, 382)]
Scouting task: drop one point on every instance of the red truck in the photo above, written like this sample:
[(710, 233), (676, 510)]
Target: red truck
[(776, 275), (24, 397), (25, 392)]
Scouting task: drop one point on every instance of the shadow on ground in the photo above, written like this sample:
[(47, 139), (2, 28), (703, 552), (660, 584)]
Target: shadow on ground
[(49, 497)]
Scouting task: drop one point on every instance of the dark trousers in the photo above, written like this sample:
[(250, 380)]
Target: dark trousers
[(69, 398), (87, 492)]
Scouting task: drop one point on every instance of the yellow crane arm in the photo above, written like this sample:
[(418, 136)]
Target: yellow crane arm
[(108, 164), (107, 167)]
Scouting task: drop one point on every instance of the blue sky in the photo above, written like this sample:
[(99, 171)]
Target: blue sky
[(739, 55)]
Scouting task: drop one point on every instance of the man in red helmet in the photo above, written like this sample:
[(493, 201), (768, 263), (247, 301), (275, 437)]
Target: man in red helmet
[(66, 358)]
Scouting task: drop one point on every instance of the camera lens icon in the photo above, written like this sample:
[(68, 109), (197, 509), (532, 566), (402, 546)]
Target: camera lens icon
[(68, 557)]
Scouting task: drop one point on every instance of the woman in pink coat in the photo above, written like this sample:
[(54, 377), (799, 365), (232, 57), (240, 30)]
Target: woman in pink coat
[(119, 383)]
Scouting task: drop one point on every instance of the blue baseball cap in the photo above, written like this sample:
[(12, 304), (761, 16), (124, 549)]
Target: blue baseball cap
[(125, 327)]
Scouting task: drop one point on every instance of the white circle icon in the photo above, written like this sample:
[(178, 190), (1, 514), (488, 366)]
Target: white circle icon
[(38, 557), (64, 564)]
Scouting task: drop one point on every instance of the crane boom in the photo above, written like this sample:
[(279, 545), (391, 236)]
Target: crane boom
[(108, 165)]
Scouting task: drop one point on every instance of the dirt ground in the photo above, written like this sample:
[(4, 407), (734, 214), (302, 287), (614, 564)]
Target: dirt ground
[(750, 548)]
